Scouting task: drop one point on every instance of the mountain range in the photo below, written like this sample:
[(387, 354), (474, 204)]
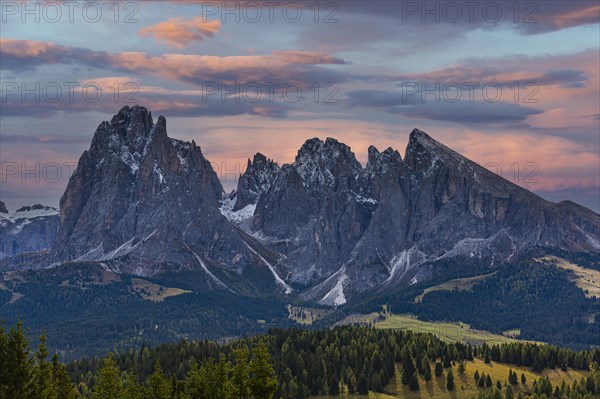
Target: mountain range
[(322, 228)]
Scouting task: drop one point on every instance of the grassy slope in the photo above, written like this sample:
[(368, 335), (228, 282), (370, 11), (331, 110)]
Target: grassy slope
[(459, 284), (154, 292), (310, 314), (447, 331), (436, 388), (586, 279)]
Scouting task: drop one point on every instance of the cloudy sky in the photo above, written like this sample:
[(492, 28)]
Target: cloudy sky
[(513, 86)]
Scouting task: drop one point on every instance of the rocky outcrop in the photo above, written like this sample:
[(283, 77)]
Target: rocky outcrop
[(255, 181), (313, 212), (140, 202), (3, 207), (346, 229)]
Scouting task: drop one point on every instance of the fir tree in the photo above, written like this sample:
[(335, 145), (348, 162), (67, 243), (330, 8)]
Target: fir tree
[(158, 384), (450, 380), (262, 384), (132, 389), (413, 383), (109, 381), (42, 372), (439, 369), (408, 368), (241, 375)]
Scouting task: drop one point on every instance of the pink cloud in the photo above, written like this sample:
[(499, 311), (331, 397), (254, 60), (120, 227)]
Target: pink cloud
[(576, 17), (279, 66), (180, 32)]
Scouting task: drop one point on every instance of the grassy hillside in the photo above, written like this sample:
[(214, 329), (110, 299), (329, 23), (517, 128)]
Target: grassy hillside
[(450, 332), (446, 331), (307, 316), (458, 284), (465, 386), (586, 279)]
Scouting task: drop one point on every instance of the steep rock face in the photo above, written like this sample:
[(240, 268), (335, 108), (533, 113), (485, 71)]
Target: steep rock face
[(143, 203), (3, 207), (358, 228), (140, 202), (313, 213), (255, 181), (29, 229), (455, 199)]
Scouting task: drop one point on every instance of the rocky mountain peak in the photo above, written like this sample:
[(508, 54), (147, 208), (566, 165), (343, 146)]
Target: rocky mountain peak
[(255, 181), (130, 127), (383, 161), (423, 153), (258, 159), (135, 181), (3, 207), (322, 164), (142, 203)]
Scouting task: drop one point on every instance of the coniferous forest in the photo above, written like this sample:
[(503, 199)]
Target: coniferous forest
[(287, 363)]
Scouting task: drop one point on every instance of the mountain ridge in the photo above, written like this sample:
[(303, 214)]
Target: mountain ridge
[(143, 203)]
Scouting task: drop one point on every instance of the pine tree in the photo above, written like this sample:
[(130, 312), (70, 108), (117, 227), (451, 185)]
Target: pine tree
[(408, 368), (362, 385), (42, 372), (132, 389), (158, 384), (427, 375), (194, 383), (481, 382), (224, 387), (351, 381), (334, 385), (62, 386), (512, 378), (413, 383), (476, 376), (18, 366), (241, 374), (523, 378), (109, 381), (262, 384), (486, 357), (425, 366), (439, 369), (447, 362), (450, 380), (488, 381)]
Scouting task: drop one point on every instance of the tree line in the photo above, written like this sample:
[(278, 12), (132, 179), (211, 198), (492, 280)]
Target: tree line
[(285, 363), (27, 374)]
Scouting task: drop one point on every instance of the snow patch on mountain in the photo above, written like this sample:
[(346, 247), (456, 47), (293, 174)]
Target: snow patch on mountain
[(238, 216), (336, 296), (26, 214), (403, 262)]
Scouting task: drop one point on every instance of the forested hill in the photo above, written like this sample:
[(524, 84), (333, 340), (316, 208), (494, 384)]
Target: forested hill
[(299, 364)]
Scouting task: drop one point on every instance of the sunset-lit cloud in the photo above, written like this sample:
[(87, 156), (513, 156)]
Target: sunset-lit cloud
[(180, 32), (201, 74)]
